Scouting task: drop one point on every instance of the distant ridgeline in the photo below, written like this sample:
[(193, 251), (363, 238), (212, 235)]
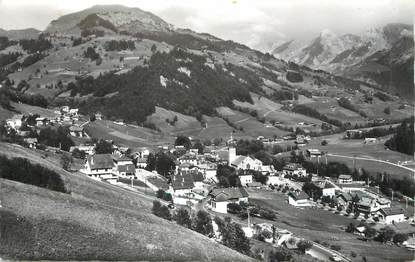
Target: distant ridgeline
[(177, 80)]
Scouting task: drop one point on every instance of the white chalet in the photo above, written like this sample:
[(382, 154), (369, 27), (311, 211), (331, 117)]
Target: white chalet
[(294, 169), (345, 179), (100, 166), (392, 215), (327, 188), (15, 122), (300, 199), (221, 197), (243, 162), (245, 179)]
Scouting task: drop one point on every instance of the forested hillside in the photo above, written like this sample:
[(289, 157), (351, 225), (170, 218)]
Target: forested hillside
[(178, 80)]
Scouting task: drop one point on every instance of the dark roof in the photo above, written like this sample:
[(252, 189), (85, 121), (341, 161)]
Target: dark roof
[(198, 177), (121, 158), (238, 160), (292, 166), (158, 182), (345, 176), (129, 168), (224, 194), (390, 211), (100, 161), (346, 196), (254, 184), (142, 160), (299, 196), (182, 181), (329, 185)]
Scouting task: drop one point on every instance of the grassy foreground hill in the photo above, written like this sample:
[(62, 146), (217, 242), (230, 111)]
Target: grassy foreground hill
[(95, 221)]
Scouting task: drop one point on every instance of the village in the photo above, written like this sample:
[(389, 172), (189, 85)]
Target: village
[(194, 179)]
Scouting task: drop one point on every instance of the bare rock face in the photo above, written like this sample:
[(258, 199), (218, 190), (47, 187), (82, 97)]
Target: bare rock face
[(113, 17)]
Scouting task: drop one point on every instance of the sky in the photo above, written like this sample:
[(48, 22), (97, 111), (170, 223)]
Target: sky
[(257, 23)]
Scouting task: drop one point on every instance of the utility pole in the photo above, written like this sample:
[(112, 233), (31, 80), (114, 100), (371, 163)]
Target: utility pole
[(392, 195)]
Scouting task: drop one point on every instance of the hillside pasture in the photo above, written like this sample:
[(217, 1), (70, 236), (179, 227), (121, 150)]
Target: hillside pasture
[(127, 135), (356, 148), (250, 125), (272, 111), (330, 108)]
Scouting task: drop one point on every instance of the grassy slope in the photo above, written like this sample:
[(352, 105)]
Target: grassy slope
[(129, 135), (189, 126), (96, 221), (272, 111), (357, 148), (250, 125), (5, 114)]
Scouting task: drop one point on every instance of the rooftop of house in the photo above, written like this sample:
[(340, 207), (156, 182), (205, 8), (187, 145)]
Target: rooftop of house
[(292, 166), (158, 182), (365, 201), (239, 159), (129, 168), (268, 168), (141, 160), (299, 196), (198, 177), (120, 158), (254, 184), (225, 194), (182, 181), (346, 196), (390, 211), (100, 161), (313, 151), (345, 176)]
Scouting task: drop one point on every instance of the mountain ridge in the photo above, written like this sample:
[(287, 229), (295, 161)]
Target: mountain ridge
[(345, 53)]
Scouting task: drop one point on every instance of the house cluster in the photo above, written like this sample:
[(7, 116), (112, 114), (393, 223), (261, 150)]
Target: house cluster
[(108, 167), (193, 162), (28, 126), (344, 192)]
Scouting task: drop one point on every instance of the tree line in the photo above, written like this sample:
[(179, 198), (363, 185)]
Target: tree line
[(231, 233), (35, 45), (374, 132), (22, 170), (403, 140), (114, 45)]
